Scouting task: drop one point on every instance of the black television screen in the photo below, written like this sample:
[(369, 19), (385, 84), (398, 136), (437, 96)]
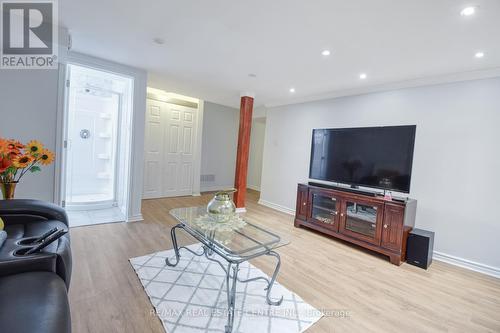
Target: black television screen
[(379, 157)]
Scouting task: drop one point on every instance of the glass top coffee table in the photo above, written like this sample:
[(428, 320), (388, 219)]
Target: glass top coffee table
[(235, 241)]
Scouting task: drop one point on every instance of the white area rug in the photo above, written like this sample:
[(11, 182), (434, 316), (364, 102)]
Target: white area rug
[(191, 297)]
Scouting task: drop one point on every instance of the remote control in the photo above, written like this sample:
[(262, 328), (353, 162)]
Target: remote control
[(45, 235), (55, 236)]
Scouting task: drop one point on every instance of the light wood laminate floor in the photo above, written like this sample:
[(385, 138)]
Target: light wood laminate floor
[(106, 295)]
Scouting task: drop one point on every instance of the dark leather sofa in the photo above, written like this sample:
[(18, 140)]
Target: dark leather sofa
[(34, 288)]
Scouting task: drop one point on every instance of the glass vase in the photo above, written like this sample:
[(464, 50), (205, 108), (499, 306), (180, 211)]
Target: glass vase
[(8, 190)]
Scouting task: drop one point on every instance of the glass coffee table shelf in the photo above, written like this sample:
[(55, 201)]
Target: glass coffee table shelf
[(235, 241)]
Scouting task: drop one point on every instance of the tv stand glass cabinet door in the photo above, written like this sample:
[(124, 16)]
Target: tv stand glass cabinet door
[(324, 209), (362, 220)]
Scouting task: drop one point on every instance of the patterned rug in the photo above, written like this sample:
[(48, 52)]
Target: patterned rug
[(191, 297)]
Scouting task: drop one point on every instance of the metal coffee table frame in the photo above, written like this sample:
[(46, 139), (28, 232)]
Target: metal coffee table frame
[(232, 268)]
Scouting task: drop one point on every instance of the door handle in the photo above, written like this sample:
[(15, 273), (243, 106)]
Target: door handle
[(385, 226)]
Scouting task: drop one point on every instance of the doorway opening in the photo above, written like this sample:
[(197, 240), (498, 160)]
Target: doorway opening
[(257, 138), (96, 145)]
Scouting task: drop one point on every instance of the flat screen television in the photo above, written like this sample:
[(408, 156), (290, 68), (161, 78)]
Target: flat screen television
[(377, 157)]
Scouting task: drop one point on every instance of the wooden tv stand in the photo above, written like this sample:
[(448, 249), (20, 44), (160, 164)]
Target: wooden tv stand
[(368, 221)]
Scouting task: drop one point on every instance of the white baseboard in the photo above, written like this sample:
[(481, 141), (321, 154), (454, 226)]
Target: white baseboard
[(277, 207), (253, 187), (213, 188), (464, 263), (439, 256), (135, 218)]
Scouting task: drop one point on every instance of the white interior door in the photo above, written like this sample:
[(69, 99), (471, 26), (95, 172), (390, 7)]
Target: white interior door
[(169, 150), (153, 145)]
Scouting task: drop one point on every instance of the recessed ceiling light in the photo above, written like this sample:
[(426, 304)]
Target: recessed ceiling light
[(292, 90), (468, 11), (159, 41), (325, 52), (479, 54), (363, 76)]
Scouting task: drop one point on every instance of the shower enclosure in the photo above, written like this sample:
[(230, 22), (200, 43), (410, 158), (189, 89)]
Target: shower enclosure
[(95, 153), (92, 134)]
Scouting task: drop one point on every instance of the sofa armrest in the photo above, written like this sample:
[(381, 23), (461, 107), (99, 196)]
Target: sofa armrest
[(25, 210), (55, 258), (42, 262)]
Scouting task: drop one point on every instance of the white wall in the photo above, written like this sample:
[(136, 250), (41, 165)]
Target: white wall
[(219, 143), (256, 153), (28, 110), (456, 170)]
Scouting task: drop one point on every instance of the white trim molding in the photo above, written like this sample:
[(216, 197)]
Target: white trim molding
[(214, 188), (468, 264), (247, 94), (135, 218), (277, 207), (253, 187), (196, 188)]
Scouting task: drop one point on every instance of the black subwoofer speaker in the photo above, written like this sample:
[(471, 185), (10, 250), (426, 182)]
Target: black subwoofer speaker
[(419, 248)]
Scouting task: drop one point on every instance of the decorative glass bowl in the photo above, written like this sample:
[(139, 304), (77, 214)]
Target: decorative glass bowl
[(221, 208)]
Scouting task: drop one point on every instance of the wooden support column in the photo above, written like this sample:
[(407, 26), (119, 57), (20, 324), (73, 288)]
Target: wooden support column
[(243, 152)]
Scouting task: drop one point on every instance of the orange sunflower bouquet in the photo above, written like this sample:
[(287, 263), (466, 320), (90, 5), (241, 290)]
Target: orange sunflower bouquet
[(17, 159)]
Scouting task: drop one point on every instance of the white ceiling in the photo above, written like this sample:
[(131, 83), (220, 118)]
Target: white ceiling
[(211, 46)]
